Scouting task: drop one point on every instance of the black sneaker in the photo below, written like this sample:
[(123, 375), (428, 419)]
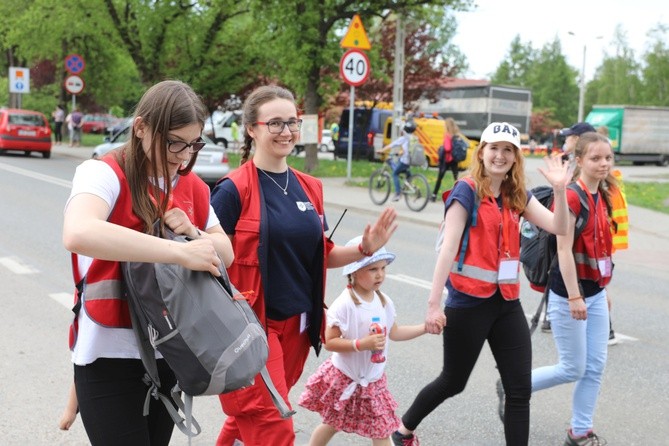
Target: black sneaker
[(501, 396), (404, 440), (590, 439), (546, 326)]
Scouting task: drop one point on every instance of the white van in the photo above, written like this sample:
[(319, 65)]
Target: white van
[(217, 127)]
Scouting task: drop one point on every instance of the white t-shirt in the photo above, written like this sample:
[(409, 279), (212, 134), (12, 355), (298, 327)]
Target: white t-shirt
[(354, 321), (95, 341)]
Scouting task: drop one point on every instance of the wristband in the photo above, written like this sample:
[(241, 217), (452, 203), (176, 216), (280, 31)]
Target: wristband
[(574, 298), (356, 344), (363, 252)]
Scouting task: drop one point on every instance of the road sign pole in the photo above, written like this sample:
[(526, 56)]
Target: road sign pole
[(349, 157)]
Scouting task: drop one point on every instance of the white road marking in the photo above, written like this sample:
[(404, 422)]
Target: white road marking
[(38, 176), (65, 299), (14, 265)]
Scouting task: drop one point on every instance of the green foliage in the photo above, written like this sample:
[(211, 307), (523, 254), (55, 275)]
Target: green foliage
[(648, 195)]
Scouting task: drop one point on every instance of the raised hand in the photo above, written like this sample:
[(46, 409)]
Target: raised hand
[(377, 235), (557, 171)]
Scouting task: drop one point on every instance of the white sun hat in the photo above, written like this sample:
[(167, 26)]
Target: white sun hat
[(381, 254)]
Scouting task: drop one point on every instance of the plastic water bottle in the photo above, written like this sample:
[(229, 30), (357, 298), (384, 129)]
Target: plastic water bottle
[(377, 328)]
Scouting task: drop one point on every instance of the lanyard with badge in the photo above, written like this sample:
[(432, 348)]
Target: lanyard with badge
[(508, 266), (604, 264)]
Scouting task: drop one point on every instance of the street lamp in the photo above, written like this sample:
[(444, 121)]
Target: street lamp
[(581, 92)]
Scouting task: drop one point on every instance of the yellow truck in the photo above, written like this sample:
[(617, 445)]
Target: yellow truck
[(430, 133)]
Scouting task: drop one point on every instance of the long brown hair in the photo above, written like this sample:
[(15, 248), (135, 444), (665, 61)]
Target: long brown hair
[(513, 191), (583, 144), (166, 106), (253, 102)]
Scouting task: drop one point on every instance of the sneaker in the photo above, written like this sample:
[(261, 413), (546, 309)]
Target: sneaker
[(546, 326), (590, 439), (613, 340), (404, 440), (397, 197), (501, 396)]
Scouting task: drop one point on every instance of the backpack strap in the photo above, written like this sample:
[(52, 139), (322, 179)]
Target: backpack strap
[(280, 404), (470, 224)]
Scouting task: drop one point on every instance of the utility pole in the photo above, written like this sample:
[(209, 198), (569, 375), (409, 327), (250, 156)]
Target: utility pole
[(398, 78)]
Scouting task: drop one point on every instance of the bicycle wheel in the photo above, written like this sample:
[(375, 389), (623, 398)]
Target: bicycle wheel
[(417, 193), (379, 186)]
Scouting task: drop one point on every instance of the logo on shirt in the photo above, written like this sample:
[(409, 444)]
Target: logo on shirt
[(304, 206)]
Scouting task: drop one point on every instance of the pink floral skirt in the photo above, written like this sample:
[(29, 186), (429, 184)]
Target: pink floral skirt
[(369, 412)]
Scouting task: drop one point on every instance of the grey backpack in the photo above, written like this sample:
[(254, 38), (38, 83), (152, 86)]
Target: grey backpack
[(203, 327)]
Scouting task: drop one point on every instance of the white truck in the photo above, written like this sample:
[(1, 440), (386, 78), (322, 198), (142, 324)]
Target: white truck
[(639, 134), (218, 127), (474, 104)]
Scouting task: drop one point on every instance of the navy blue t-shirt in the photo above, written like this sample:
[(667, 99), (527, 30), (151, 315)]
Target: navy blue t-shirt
[(466, 196), (295, 236)]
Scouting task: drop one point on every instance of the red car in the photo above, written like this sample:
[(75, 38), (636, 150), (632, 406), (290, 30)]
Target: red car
[(97, 123), (25, 130)]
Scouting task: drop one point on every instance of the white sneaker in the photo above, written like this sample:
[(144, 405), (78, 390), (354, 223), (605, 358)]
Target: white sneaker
[(396, 197)]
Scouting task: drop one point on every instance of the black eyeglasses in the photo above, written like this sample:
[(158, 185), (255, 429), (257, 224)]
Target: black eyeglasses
[(180, 146), (276, 126)]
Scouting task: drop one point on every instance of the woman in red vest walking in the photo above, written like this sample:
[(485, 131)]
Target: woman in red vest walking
[(478, 263), (275, 219), (578, 303), (109, 218)]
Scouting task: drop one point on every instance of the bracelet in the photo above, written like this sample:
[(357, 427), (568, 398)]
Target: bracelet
[(575, 298), (363, 252), (356, 344)]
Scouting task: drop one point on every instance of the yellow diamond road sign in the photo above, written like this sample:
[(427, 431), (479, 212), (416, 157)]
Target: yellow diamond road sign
[(356, 37)]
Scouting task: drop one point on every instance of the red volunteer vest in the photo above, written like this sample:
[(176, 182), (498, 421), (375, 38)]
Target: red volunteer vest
[(486, 249), (104, 300), (245, 271), (595, 242)]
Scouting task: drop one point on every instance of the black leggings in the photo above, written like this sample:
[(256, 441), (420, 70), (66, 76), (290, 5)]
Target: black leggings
[(442, 171), (111, 396), (504, 325)]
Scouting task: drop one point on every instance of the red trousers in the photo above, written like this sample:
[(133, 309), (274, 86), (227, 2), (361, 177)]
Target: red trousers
[(252, 416)]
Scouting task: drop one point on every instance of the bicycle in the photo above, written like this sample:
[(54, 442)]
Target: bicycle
[(414, 187)]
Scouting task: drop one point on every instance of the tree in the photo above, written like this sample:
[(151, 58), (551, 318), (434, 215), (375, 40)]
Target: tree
[(656, 70), (313, 30), (516, 66)]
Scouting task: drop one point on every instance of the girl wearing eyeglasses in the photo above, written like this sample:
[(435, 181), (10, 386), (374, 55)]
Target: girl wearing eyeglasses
[(109, 218), (274, 216)]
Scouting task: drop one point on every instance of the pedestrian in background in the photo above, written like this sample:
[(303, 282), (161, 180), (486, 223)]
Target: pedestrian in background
[(350, 390), (275, 218), (109, 219), (446, 161), (74, 123), (58, 116), (483, 282), (579, 304)]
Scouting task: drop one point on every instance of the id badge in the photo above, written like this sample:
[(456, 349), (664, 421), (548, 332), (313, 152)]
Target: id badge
[(604, 266), (508, 270)]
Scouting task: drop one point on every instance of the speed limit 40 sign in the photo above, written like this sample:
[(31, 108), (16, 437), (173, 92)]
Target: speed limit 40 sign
[(354, 67)]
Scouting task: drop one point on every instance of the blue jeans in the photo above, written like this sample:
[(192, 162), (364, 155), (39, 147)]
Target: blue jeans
[(582, 349), (398, 168)]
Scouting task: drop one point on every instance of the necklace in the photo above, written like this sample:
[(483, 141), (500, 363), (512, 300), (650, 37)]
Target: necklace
[(284, 189)]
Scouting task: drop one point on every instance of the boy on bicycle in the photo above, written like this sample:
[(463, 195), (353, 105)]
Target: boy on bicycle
[(406, 142)]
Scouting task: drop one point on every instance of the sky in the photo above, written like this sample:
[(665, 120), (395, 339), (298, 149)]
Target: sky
[(485, 39)]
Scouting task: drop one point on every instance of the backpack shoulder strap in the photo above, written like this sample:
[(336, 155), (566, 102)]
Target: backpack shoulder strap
[(584, 214)]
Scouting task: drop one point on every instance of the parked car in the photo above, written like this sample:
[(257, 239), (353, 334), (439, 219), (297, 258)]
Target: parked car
[(118, 126), (326, 145), (211, 163), (97, 123), (218, 126), (25, 130)]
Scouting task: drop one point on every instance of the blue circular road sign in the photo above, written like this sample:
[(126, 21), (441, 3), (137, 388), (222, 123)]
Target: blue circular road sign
[(74, 64)]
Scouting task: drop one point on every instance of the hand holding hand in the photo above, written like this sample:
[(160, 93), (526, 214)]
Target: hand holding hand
[(435, 321)]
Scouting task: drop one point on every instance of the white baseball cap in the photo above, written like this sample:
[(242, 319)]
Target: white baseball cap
[(501, 131), (381, 254)]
